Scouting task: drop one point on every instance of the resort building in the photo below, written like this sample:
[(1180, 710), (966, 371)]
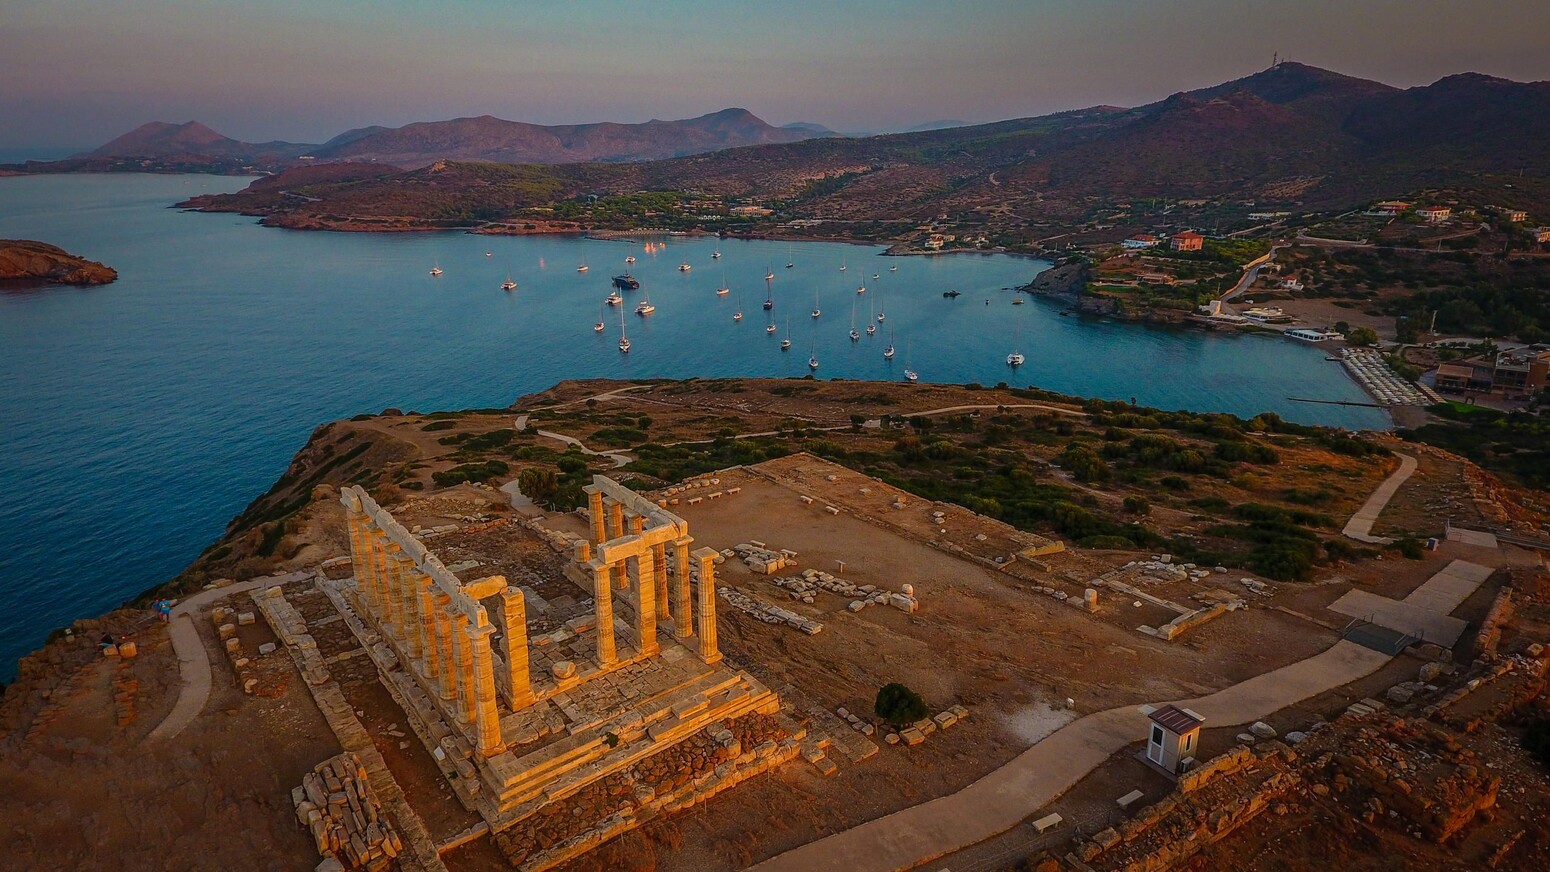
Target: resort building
[(1189, 240), (1141, 240), (1390, 208), (1268, 315), (1435, 214), (1313, 334), (1519, 373), (1540, 234)]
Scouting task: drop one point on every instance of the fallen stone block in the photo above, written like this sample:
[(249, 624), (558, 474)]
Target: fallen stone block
[(1047, 822), (1129, 799), (267, 648), (1262, 730), (912, 736), (245, 618)]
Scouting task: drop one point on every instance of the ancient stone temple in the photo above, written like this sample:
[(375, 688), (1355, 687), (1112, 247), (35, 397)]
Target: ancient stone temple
[(518, 722)]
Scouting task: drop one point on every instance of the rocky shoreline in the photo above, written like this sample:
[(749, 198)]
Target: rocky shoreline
[(26, 260)]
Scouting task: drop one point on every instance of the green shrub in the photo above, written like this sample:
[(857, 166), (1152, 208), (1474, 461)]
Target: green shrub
[(898, 705), (439, 425), (1137, 505), (474, 472)]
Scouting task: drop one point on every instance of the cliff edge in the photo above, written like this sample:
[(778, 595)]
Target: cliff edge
[(25, 259)]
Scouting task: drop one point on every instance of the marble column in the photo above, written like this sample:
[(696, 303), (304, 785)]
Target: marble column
[(603, 596), (463, 667), (514, 607), (707, 605), (683, 626), (431, 664), (616, 531), (409, 595), (447, 680), (373, 580), (595, 510), (486, 714), (659, 572), (394, 609), (646, 604), (357, 553)]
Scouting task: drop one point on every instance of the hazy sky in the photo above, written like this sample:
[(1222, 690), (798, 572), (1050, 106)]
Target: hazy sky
[(78, 72)]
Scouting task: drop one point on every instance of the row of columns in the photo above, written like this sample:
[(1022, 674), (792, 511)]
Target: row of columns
[(442, 635), (657, 597)]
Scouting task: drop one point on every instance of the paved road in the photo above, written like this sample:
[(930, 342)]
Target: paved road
[(1010, 794), (1250, 274), (1360, 525), (193, 661)]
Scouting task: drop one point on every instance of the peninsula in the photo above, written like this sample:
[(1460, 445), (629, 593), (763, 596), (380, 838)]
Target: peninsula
[(907, 623), (26, 260)]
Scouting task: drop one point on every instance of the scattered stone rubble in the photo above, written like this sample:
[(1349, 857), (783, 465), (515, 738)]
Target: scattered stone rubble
[(813, 581), (761, 559), (769, 614), (919, 731), (336, 803)]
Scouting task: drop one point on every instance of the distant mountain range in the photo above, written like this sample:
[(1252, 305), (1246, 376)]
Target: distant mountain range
[(483, 138)]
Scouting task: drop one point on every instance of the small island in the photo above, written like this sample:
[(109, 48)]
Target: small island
[(30, 261)]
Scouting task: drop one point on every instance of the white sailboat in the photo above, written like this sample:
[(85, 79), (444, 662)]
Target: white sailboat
[(629, 258), (909, 374), (888, 352), (599, 327), (489, 254), (880, 314), (613, 299), (816, 311), (715, 255), (812, 355), (842, 264), (724, 289), (508, 284), (770, 327), (785, 344), (436, 270), (769, 274), (684, 267), (583, 267), (854, 335), (624, 341), (645, 308), (1016, 359), (790, 261)]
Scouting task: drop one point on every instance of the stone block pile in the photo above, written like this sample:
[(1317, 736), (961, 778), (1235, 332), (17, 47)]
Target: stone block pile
[(861, 726), (1162, 570), (812, 582), (761, 558), (918, 732), (769, 614), (336, 804)]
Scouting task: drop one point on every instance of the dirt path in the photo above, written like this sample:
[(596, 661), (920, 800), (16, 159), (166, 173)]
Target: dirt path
[(1360, 525), (1005, 797), (193, 660)]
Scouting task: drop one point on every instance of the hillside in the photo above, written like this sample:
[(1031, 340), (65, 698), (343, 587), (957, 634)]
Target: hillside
[(24, 260), (159, 139), (1291, 135)]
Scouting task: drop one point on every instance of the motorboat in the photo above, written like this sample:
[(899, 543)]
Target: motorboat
[(1015, 359), (627, 282), (435, 270), (613, 299), (684, 267)]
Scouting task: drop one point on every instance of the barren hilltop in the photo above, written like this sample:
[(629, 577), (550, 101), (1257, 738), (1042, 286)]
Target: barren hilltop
[(27, 260), (717, 624)]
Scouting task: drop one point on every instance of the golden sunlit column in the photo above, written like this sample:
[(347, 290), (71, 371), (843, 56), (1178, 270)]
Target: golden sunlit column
[(683, 626), (707, 605), (463, 667), (482, 696), (603, 597), (646, 604), (616, 531), (514, 608), (430, 660), (409, 594), (659, 572), (595, 510), (392, 574), (447, 680)]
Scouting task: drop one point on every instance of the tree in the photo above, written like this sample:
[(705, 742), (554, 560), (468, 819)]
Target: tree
[(538, 484), (898, 705), (1361, 336), (1137, 505), (1084, 463)]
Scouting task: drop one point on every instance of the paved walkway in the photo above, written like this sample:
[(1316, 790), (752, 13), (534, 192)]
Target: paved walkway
[(1007, 796), (618, 458), (193, 661), (1360, 525), (1426, 612)]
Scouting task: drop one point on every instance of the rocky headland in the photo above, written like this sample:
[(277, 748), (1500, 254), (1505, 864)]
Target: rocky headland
[(27, 260)]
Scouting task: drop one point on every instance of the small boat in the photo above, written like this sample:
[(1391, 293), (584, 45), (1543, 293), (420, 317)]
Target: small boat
[(737, 316), (768, 305), (613, 299), (630, 259), (816, 311), (861, 289), (583, 267), (871, 329), (893, 269), (1015, 359), (1018, 301), (881, 316), (769, 328), (909, 374), (715, 255), (645, 308), (854, 335), (624, 341), (789, 264), (769, 299), (877, 275), (508, 284), (888, 352), (725, 288), (790, 259), (812, 362), (627, 282), (722, 292), (769, 276), (785, 344), (599, 327), (952, 295), (684, 267), (435, 270), (842, 264), (489, 254)]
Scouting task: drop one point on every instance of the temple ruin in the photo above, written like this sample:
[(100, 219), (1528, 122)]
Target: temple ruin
[(518, 722)]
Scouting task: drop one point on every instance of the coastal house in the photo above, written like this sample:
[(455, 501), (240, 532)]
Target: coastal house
[(750, 211), (1518, 373), (935, 241), (1390, 208), (1173, 737), (1313, 334), (1540, 234), (1141, 240), (1291, 284), (1457, 378), (1435, 214), (1511, 216), (1189, 240), (1268, 315)]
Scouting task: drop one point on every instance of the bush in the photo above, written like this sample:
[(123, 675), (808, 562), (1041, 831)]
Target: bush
[(439, 425), (1137, 505), (470, 472), (1084, 463), (898, 705)]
